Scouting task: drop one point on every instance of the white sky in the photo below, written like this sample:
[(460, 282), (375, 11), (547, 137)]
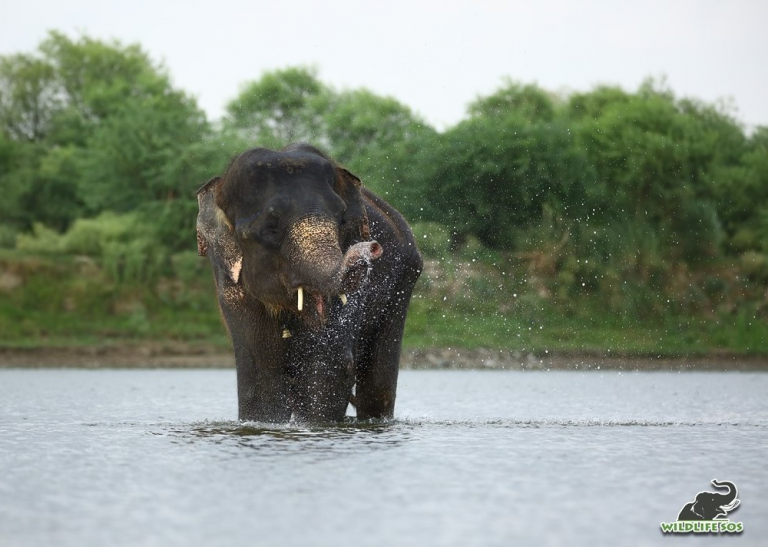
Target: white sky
[(435, 56)]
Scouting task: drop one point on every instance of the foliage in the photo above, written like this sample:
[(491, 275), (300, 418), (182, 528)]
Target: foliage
[(89, 126), (29, 97), (130, 155), (528, 102), (377, 138), (631, 207), (122, 244), (497, 175), (373, 136), (741, 194), (279, 108), (656, 161)]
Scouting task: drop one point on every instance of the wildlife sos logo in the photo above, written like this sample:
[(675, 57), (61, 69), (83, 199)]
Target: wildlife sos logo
[(707, 513)]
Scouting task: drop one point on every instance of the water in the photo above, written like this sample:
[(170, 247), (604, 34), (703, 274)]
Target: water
[(155, 457)]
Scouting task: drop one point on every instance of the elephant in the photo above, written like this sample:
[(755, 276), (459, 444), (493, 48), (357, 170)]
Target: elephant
[(711, 505), (314, 275)]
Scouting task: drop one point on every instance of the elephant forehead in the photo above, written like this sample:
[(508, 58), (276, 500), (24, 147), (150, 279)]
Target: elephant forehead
[(293, 165), (286, 167), (282, 191)]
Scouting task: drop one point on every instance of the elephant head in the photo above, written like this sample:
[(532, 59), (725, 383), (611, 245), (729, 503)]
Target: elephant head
[(711, 505), (289, 228)]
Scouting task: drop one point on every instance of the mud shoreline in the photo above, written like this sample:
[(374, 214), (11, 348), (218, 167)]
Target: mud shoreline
[(152, 355)]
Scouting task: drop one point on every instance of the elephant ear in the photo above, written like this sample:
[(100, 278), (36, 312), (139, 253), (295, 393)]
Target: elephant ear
[(215, 236), (356, 228)]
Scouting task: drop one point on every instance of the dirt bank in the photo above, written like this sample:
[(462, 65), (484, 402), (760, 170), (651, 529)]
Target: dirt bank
[(177, 355)]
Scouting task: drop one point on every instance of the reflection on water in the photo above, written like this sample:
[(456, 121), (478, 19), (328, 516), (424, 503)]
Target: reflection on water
[(313, 443), (123, 458), (275, 439)]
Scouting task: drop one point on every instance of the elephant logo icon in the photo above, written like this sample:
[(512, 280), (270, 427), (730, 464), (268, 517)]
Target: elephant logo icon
[(711, 505)]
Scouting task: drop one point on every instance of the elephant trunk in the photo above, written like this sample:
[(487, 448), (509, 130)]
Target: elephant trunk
[(313, 253), (317, 265), (728, 499)]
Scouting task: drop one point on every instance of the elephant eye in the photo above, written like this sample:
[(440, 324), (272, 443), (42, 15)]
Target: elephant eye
[(269, 230), (271, 226), (265, 229)]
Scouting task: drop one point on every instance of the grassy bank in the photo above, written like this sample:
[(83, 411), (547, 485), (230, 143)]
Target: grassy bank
[(473, 299)]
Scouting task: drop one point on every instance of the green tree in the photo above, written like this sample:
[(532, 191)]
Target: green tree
[(174, 219), (656, 159), (506, 167), (283, 106), (523, 101), (126, 160), (29, 97), (378, 138), (359, 122), (591, 105), (67, 87), (97, 77), (741, 193), (496, 176), (11, 217), (39, 185), (95, 126), (375, 137)]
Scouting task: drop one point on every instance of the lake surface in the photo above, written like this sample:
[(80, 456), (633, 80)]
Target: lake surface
[(156, 457)]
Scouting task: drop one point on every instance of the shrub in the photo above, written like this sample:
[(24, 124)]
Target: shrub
[(123, 244), (433, 238), (8, 235), (42, 240)]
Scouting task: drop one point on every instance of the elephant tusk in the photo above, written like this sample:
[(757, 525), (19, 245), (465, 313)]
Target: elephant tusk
[(300, 303), (343, 298)]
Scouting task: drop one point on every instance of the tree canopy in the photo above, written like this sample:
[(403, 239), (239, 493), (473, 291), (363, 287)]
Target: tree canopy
[(88, 126), (94, 126)]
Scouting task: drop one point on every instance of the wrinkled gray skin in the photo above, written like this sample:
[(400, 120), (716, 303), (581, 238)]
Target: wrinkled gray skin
[(280, 220), (711, 505)]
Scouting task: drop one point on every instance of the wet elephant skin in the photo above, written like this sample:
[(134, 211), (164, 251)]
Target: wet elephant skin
[(314, 274)]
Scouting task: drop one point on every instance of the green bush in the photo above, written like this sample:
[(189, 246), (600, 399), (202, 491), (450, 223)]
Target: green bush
[(122, 244), (8, 235), (188, 267), (135, 261), (91, 236), (432, 238), (41, 240), (755, 266)]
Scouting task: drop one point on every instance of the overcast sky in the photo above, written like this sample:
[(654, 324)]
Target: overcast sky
[(435, 56)]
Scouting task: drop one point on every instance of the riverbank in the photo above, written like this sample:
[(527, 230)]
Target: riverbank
[(71, 302), (191, 356)]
